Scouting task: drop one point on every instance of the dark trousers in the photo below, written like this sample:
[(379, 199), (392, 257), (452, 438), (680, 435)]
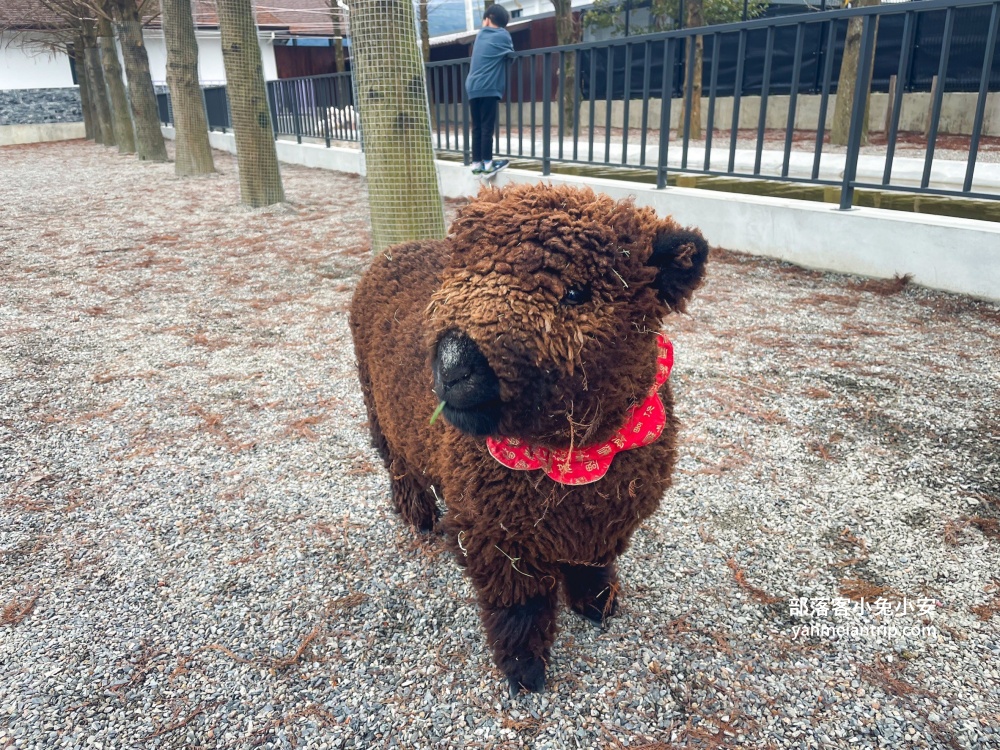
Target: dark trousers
[(484, 119)]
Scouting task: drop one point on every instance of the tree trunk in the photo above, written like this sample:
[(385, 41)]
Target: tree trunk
[(120, 119), (260, 180), (391, 91), (194, 152), (80, 60), (425, 39), (695, 18), (142, 96), (338, 55), (846, 83), (337, 21), (98, 91), (567, 33)]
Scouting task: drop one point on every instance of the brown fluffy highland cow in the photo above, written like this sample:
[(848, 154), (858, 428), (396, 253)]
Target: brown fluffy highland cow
[(534, 325)]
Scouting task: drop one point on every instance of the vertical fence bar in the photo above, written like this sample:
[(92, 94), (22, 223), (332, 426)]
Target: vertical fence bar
[(593, 86), (909, 35), (824, 99), (507, 112), (456, 95), (712, 85), (273, 95), (688, 98), (546, 114), (667, 90), (442, 93), (734, 131), (533, 99), (561, 100), (793, 97), (466, 153), (442, 124), (296, 120), (984, 82), (332, 106), (319, 97), (443, 105), (576, 105), (304, 87), (520, 107), (299, 118), (311, 122), (311, 127), (325, 112), (609, 103), (949, 23), (343, 131), (436, 102), (765, 89), (448, 93), (347, 119), (443, 112), (496, 126), (858, 110), (314, 123), (647, 50), (625, 102)]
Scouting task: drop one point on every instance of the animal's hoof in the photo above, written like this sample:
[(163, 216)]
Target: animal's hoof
[(525, 673)]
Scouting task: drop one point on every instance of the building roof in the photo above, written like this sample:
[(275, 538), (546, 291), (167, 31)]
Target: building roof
[(292, 17), (295, 17), (28, 14)]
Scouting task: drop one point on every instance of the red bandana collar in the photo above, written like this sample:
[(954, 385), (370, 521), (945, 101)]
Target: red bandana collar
[(643, 425)]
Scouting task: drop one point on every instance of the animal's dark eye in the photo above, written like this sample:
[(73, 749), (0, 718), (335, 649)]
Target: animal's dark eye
[(577, 295)]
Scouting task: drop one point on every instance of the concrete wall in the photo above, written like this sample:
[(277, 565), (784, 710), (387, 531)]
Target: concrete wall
[(11, 135), (869, 242), (25, 63), (957, 112)]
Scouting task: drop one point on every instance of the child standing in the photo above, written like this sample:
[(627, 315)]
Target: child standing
[(485, 84)]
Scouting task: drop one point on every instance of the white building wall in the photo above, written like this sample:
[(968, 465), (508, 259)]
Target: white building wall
[(531, 8), (26, 64), (210, 66)]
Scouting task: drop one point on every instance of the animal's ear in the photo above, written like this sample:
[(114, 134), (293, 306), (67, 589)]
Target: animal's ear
[(679, 255)]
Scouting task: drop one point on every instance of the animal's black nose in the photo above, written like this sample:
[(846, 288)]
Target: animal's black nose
[(465, 382)]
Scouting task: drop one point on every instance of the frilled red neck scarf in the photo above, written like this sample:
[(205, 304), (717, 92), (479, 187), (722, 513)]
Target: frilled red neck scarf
[(643, 425)]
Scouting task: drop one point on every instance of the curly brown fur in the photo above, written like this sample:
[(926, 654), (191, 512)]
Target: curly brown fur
[(592, 591), (536, 319)]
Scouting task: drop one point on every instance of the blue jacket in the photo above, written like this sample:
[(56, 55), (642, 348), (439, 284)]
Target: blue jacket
[(488, 69)]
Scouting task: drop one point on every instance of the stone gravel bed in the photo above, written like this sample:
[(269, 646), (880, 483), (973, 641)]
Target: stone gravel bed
[(197, 548)]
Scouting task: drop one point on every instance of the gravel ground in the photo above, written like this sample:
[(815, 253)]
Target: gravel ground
[(197, 548)]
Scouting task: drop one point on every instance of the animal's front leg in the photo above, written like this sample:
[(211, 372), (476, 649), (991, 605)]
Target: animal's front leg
[(521, 636), (518, 600), (592, 590)]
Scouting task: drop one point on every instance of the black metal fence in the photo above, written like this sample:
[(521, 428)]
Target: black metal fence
[(568, 104), (216, 108), (314, 107), (925, 40)]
